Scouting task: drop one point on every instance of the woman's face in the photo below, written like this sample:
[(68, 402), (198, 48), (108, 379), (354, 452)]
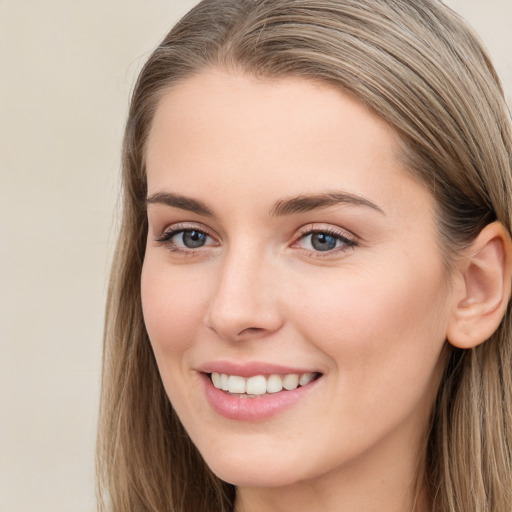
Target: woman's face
[(287, 240)]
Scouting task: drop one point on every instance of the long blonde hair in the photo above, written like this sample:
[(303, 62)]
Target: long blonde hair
[(419, 67)]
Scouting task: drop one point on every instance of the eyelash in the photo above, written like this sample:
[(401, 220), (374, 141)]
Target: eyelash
[(346, 242), (166, 239)]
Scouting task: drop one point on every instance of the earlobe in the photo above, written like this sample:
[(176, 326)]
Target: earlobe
[(486, 273)]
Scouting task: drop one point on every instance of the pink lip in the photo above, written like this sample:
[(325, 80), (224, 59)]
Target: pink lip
[(250, 369), (253, 409)]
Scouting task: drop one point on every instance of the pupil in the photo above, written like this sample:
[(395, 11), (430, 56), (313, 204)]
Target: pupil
[(323, 242), (194, 239)]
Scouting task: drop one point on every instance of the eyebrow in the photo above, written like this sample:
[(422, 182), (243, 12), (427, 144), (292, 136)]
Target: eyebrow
[(299, 204), (181, 202), (306, 203)]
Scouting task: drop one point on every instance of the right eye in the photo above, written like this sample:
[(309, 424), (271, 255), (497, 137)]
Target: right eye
[(185, 240), (191, 239)]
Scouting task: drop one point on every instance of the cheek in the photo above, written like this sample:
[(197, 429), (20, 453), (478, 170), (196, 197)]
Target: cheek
[(174, 305), (383, 331)]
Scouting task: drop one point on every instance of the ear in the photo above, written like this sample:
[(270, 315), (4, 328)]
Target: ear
[(485, 286)]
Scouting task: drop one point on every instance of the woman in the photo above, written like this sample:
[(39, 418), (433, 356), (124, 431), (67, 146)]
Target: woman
[(309, 305)]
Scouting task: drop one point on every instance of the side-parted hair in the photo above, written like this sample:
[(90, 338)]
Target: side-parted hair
[(420, 68)]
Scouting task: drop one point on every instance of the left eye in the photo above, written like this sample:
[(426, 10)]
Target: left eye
[(324, 241)]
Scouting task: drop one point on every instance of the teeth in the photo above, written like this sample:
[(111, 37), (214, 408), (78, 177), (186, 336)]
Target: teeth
[(216, 379), (259, 384), (306, 378), (224, 382), (290, 381), (236, 384), (274, 384), (256, 385)]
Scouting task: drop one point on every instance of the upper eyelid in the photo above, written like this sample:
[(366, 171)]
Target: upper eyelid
[(185, 226), (325, 228)]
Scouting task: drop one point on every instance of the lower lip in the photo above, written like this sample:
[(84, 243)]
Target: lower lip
[(253, 409)]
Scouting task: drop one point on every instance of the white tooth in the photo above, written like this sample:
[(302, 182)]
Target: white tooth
[(236, 384), (306, 378), (224, 382), (216, 380), (256, 385), (291, 381), (274, 384)]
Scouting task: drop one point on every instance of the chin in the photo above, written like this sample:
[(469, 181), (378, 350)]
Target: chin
[(258, 468), (259, 476)]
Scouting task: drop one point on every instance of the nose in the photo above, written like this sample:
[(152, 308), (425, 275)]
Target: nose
[(245, 301)]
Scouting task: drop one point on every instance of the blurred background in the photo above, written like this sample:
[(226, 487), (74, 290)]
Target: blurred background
[(66, 71)]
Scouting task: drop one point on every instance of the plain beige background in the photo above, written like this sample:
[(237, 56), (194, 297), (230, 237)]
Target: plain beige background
[(66, 70)]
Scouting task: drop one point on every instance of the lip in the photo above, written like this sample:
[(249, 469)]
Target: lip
[(258, 408)]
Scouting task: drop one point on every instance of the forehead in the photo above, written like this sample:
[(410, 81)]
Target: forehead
[(242, 104), (287, 136)]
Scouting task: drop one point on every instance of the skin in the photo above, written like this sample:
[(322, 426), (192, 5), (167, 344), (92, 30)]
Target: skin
[(371, 316)]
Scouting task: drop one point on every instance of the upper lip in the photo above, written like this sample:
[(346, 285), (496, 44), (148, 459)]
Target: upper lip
[(250, 369)]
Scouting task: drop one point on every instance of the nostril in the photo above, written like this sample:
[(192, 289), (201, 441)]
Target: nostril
[(251, 330)]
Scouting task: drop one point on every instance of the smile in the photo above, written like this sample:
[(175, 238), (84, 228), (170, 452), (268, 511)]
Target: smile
[(260, 384), (258, 396)]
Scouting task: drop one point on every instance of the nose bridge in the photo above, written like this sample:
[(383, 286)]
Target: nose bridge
[(245, 301)]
